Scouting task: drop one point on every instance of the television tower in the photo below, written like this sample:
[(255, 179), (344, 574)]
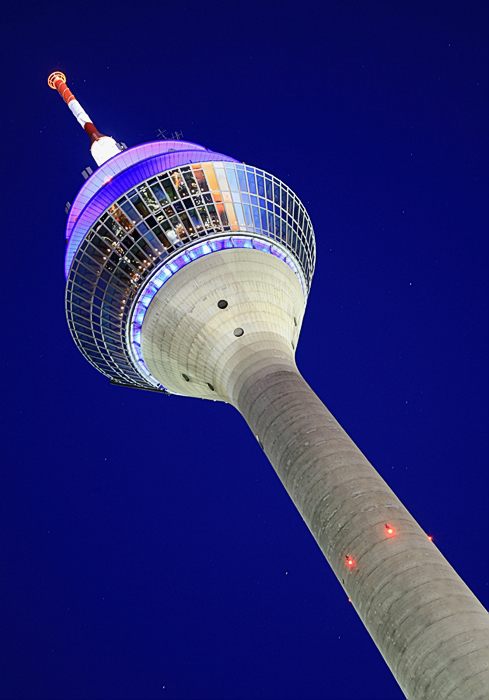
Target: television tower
[(188, 273)]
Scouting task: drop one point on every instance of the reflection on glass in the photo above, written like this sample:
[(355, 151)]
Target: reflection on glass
[(199, 176), (211, 176)]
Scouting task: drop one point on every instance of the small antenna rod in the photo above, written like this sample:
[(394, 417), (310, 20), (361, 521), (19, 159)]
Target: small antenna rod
[(103, 147)]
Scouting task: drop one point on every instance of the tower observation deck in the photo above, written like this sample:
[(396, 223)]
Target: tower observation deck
[(188, 273)]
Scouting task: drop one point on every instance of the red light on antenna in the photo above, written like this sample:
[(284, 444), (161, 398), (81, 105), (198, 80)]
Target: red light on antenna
[(390, 530), (350, 562), (430, 538)]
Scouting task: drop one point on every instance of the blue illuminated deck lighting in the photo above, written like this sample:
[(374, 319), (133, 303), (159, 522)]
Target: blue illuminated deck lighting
[(188, 273)]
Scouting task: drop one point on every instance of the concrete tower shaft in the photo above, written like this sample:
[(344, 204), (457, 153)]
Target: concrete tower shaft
[(431, 630)]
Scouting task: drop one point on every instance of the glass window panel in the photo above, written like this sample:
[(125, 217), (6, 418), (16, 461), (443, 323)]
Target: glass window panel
[(131, 213), (142, 228), (205, 217), (199, 176), (256, 217), (242, 181), (221, 178), (145, 247), (81, 306), (276, 193), (251, 182), (271, 226), (222, 213), (284, 230), (148, 198), (153, 241), (95, 253), (248, 215), (191, 184), (178, 183), (239, 213), (264, 221), (284, 198), (172, 237), (140, 205), (232, 216), (186, 222), (261, 186), (160, 193), (169, 189), (182, 233), (214, 216), (268, 186), (119, 217), (211, 178), (233, 183), (83, 282), (194, 218)]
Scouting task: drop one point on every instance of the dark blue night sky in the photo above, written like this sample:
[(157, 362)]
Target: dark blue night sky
[(149, 552)]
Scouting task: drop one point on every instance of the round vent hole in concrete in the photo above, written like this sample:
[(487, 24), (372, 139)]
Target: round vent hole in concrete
[(238, 332), (222, 303)]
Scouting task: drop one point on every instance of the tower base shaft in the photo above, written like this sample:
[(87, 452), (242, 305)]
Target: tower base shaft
[(431, 630)]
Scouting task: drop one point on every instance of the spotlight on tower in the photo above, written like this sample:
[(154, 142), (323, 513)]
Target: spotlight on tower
[(188, 273)]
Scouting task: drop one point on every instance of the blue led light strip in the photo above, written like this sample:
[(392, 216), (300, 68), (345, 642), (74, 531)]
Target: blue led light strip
[(163, 274)]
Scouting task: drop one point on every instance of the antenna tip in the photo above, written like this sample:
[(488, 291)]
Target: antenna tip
[(54, 77)]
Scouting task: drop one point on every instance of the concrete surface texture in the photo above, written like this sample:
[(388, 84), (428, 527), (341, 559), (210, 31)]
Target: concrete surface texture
[(431, 630)]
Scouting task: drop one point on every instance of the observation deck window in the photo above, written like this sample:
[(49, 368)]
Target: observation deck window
[(211, 177), (251, 182), (191, 184), (243, 186), (276, 193), (140, 205), (222, 213), (149, 198), (131, 213), (169, 189), (261, 186), (119, 216), (185, 221), (233, 183), (159, 192), (268, 184), (199, 176), (178, 183)]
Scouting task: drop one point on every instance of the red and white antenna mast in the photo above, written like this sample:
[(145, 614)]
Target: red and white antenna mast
[(103, 147)]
